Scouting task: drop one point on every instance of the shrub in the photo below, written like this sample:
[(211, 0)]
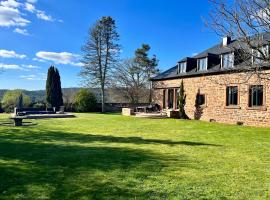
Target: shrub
[(12, 99), (40, 106), (85, 101)]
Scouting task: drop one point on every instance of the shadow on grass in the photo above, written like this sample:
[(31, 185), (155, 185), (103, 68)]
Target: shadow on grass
[(88, 138), (33, 168)]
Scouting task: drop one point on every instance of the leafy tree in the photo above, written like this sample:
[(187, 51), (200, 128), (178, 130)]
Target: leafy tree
[(101, 53), (13, 98), (54, 95), (182, 102), (85, 101), (147, 64)]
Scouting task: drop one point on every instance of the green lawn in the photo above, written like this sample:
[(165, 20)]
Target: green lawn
[(98, 156)]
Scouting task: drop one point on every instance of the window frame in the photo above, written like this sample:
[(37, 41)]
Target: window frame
[(256, 60), (206, 64), (222, 60), (254, 107), (180, 69), (233, 106), (205, 100)]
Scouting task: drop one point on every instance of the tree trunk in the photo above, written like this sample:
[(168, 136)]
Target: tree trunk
[(102, 99)]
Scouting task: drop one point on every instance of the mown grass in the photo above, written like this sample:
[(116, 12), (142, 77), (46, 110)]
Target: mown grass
[(109, 156)]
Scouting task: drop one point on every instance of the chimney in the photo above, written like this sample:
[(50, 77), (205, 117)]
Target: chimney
[(226, 40)]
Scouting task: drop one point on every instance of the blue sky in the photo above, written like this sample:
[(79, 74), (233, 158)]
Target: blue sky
[(35, 34)]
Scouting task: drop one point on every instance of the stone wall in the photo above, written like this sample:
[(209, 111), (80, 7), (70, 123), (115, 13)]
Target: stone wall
[(214, 89)]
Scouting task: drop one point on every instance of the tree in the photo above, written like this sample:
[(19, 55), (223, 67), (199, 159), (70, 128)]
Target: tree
[(147, 64), (101, 53), (85, 101), (182, 102), (248, 21), (20, 101), (132, 80), (14, 98), (54, 95)]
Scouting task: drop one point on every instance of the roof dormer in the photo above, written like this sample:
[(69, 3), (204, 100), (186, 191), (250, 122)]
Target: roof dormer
[(182, 67)]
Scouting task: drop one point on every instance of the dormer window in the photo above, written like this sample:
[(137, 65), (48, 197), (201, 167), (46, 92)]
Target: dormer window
[(227, 60), (259, 55), (202, 64), (182, 67)]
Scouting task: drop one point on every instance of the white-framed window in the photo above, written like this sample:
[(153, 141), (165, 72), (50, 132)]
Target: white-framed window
[(258, 56), (227, 60), (202, 64), (182, 67)]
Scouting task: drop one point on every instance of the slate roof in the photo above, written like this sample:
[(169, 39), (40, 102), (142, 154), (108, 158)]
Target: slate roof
[(218, 49)]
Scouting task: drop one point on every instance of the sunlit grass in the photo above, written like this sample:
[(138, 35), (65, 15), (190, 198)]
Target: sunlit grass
[(109, 156)]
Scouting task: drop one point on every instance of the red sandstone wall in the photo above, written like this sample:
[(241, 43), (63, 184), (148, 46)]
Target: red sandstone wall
[(214, 87)]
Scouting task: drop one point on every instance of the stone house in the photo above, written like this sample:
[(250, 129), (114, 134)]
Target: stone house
[(217, 86)]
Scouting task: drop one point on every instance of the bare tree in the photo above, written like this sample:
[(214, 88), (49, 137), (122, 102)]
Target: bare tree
[(133, 80), (248, 21), (101, 53)]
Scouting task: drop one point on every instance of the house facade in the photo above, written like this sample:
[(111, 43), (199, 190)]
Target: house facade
[(216, 90)]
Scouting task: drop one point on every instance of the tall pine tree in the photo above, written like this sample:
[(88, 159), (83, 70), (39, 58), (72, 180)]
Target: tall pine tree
[(54, 95)]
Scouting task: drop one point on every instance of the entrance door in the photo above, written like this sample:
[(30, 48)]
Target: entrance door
[(164, 100), (170, 98)]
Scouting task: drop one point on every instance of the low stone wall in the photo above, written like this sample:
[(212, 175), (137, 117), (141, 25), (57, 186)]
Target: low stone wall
[(128, 111)]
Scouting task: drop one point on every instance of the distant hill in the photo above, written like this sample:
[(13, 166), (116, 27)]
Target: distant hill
[(112, 95)]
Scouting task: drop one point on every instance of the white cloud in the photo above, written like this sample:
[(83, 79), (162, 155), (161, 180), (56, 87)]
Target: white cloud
[(10, 54), (33, 77), (42, 15), (21, 31), (31, 1), (31, 66), (10, 4), (10, 66), (64, 58), (29, 7), (10, 16)]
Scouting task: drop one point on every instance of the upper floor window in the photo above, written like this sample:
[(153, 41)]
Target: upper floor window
[(227, 60), (232, 96), (202, 64), (256, 95), (259, 55), (182, 67)]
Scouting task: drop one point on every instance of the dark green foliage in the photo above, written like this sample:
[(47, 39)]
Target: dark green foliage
[(20, 101), (85, 101), (15, 98), (182, 102), (54, 95), (40, 106)]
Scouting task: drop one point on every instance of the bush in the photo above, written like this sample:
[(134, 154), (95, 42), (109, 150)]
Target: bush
[(85, 101), (40, 106), (11, 99)]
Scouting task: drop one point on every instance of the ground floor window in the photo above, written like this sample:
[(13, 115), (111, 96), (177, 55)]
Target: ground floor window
[(256, 95), (231, 96), (200, 99)]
